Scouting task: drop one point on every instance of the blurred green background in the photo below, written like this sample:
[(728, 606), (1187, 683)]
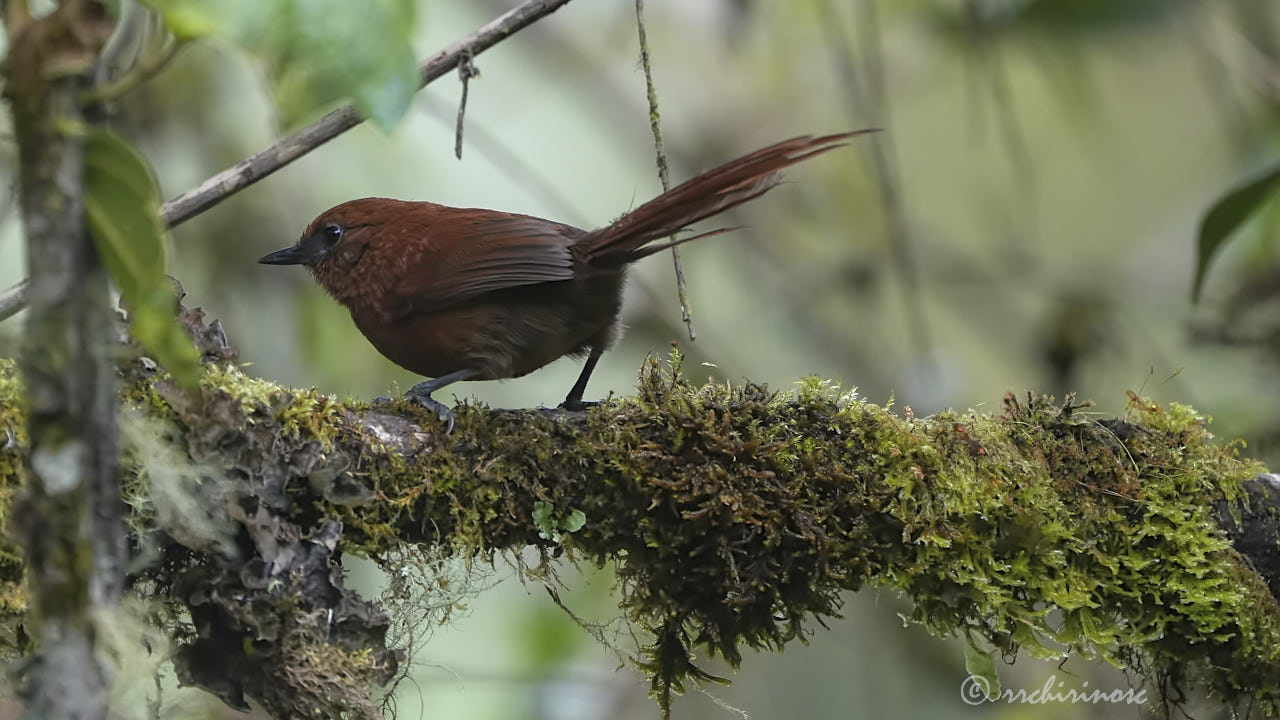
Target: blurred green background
[(1051, 161)]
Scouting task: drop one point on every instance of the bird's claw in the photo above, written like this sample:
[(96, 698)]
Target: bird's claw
[(578, 405), (440, 409)]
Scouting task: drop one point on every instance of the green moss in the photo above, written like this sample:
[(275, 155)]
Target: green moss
[(321, 679), (301, 413), (13, 437), (736, 516), (1108, 525)]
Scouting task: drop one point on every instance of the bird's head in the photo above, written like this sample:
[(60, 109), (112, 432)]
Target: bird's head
[(356, 250), (336, 239)]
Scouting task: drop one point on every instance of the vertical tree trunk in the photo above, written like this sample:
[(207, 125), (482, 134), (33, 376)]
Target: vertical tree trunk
[(70, 518)]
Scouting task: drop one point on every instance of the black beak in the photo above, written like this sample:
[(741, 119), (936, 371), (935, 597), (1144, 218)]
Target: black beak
[(288, 256)]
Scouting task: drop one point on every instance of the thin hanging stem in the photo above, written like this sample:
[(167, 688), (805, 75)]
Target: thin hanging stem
[(655, 123)]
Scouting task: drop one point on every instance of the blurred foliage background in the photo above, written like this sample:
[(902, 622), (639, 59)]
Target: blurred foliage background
[(1028, 220)]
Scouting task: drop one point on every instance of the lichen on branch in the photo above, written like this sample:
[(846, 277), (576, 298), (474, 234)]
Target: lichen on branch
[(735, 517)]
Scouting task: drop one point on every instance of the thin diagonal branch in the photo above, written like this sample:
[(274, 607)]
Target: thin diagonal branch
[(871, 100), (13, 299), (147, 68), (290, 148), (999, 85)]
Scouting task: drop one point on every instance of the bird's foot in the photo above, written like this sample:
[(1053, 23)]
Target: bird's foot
[(578, 404), (440, 409)]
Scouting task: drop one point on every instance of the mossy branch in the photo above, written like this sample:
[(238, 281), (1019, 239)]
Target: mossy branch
[(734, 516)]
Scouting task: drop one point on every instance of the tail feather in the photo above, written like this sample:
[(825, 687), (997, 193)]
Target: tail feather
[(712, 192)]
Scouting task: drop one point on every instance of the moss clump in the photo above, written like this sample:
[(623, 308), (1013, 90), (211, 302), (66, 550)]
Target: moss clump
[(736, 516), (13, 437), (1047, 530), (323, 675)]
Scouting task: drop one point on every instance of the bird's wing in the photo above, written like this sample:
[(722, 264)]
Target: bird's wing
[(489, 251)]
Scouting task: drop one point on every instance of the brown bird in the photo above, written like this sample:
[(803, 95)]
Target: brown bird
[(469, 294)]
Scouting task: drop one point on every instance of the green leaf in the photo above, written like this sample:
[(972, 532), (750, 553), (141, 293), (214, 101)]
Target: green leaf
[(542, 512), (550, 523), (1226, 216), (575, 522), (317, 51), (981, 664), (122, 203), (187, 21)]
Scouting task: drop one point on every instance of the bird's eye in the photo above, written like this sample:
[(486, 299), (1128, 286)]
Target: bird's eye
[(332, 233)]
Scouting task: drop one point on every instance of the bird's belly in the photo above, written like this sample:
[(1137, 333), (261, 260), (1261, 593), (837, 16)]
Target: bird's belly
[(496, 340), (429, 345)]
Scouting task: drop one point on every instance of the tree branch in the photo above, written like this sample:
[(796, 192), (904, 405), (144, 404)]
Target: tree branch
[(734, 517), (13, 299), (69, 515), (290, 148)]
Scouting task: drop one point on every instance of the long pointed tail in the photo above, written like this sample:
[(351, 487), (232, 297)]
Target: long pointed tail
[(714, 191)]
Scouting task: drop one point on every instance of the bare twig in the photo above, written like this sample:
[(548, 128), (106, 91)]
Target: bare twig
[(148, 67), (290, 148), (131, 55), (997, 77), (512, 164), (1261, 72), (655, 123), (466, 71), (13, 299), (875, 105), (1214, 74)]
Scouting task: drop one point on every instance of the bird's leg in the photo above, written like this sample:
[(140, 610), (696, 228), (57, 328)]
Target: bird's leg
[(573, 401), (421, 394)]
